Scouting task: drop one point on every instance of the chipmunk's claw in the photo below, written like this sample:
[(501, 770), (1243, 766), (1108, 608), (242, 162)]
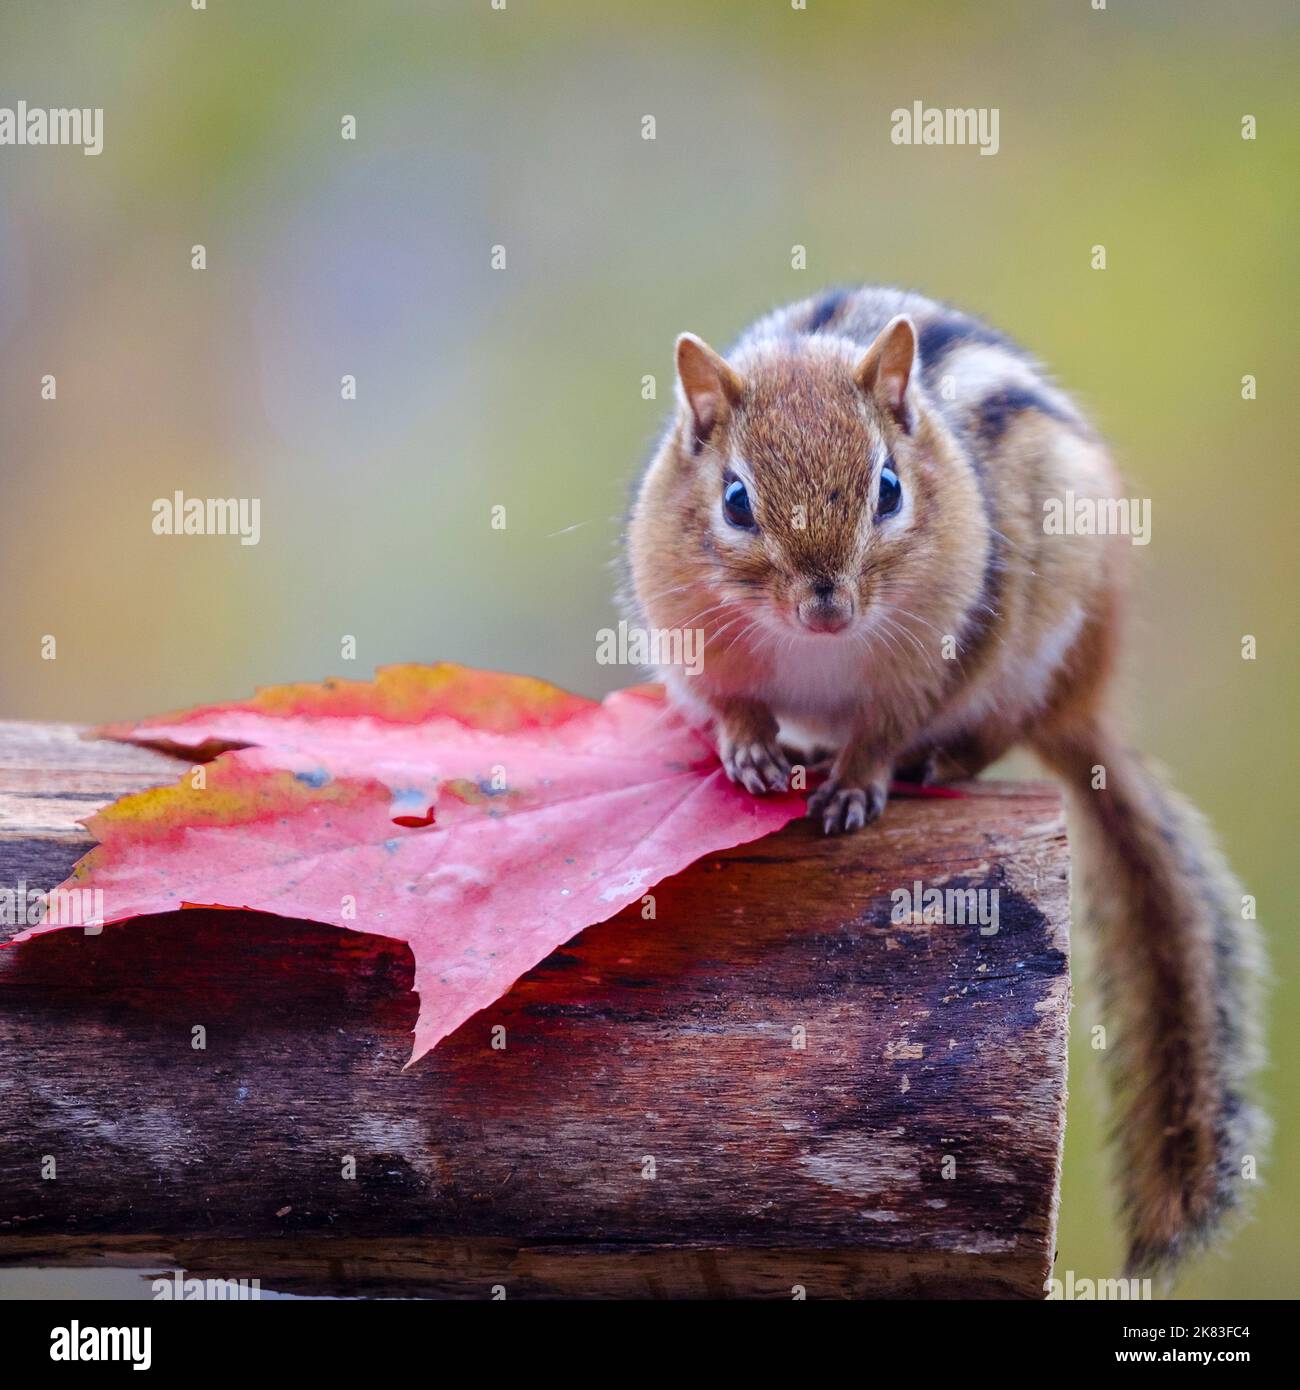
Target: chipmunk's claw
[(758, 766), (843, 810)]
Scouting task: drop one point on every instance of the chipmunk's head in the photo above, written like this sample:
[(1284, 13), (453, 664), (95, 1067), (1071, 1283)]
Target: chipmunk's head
[(818, 475)]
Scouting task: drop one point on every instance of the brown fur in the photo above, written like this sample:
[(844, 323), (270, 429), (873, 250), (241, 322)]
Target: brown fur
[(969, 630)]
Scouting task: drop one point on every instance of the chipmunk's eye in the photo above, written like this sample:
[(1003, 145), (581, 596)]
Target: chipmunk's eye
[(891, 493), (735, 505)]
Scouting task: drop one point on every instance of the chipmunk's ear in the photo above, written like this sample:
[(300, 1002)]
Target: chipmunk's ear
[(710, 387), (885, 373)]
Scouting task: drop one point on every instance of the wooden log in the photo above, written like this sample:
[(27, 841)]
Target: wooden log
[(772, 1086)]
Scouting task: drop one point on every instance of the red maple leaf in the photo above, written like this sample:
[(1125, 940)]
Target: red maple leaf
[(484, 819)]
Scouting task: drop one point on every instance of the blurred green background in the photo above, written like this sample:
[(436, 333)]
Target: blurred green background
[(522, 387)]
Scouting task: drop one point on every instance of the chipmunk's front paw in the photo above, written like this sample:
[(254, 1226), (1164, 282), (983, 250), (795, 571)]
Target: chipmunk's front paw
[(756, 764), (843, 809)]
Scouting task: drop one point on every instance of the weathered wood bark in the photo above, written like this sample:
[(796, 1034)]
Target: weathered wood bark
[(772, 1085)]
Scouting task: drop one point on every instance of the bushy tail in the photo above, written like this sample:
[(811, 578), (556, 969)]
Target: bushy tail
[(1179, 983)]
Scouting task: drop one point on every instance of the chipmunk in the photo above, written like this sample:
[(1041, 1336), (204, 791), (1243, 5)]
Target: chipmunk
[(851, 506)]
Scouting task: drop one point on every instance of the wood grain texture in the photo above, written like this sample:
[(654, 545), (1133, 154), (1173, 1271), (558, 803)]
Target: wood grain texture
[(909, 1147)]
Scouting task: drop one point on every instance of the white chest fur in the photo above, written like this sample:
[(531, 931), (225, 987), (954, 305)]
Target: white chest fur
[(820, 675)]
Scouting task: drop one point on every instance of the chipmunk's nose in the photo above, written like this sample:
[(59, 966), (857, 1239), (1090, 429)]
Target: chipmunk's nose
[(827, 608)]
